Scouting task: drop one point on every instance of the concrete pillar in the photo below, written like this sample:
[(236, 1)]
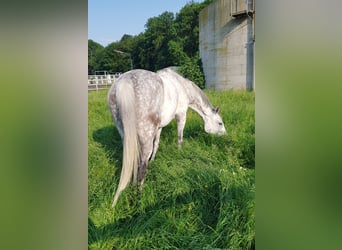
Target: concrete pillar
[(250, 55)]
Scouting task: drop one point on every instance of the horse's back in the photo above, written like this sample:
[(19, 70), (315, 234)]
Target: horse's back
[(145, 83), (173, 82)]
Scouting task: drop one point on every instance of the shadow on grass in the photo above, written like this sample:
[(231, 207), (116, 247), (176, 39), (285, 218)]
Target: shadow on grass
[(154, 219), (205, 199), (110, 140)]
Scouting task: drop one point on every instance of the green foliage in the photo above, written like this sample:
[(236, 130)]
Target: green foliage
[(187, 27), (168, 40), (95, 53), (159, 31), (177, 54), (199, 197), (192, 69)]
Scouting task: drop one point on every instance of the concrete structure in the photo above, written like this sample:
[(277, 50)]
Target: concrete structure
[(227, 44)]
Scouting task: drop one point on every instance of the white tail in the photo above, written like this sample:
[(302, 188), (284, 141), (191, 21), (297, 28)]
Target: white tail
[(125, 101)]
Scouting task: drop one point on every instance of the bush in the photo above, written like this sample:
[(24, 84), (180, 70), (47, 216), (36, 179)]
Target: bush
[(192, 69)]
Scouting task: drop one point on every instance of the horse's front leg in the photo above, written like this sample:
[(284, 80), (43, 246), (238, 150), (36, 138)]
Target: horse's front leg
[(180, 118)]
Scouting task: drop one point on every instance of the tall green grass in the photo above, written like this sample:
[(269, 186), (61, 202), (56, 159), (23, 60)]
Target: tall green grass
[(199, 197)]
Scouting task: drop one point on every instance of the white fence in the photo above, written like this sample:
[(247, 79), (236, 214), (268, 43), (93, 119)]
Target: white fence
[(96, 82)]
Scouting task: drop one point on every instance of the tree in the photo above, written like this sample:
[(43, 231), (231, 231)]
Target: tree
[(155, 51), (192, 69), (95, 52), (187, 25), (168, 40), (112, 61)]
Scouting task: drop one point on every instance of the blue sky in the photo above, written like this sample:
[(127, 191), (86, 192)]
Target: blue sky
[(109, 20)]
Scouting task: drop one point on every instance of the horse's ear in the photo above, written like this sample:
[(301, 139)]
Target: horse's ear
[(217, 109)]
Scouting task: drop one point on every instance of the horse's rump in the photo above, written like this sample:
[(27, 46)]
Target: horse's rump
[(135, 102)]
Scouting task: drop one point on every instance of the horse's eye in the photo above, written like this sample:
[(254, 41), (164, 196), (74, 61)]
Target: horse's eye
[(220, 123)]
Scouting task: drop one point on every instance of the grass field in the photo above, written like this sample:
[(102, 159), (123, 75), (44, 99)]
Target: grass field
[(199, 197)]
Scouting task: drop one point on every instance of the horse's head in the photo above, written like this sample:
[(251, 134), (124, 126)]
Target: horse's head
[(213, 123)]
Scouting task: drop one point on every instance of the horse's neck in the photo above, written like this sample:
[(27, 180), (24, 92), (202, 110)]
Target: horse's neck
[(197, 100)]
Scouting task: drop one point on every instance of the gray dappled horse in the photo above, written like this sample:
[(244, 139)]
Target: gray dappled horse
[(142, 103)]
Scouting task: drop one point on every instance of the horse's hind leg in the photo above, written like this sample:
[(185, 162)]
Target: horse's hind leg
[(146, 151), (156, 143)]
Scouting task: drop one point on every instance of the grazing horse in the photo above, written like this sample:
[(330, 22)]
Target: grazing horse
[(142, 103)]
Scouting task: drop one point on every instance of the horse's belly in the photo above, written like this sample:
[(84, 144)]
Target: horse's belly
[(175, 99), (170, 103), (168, 114)]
